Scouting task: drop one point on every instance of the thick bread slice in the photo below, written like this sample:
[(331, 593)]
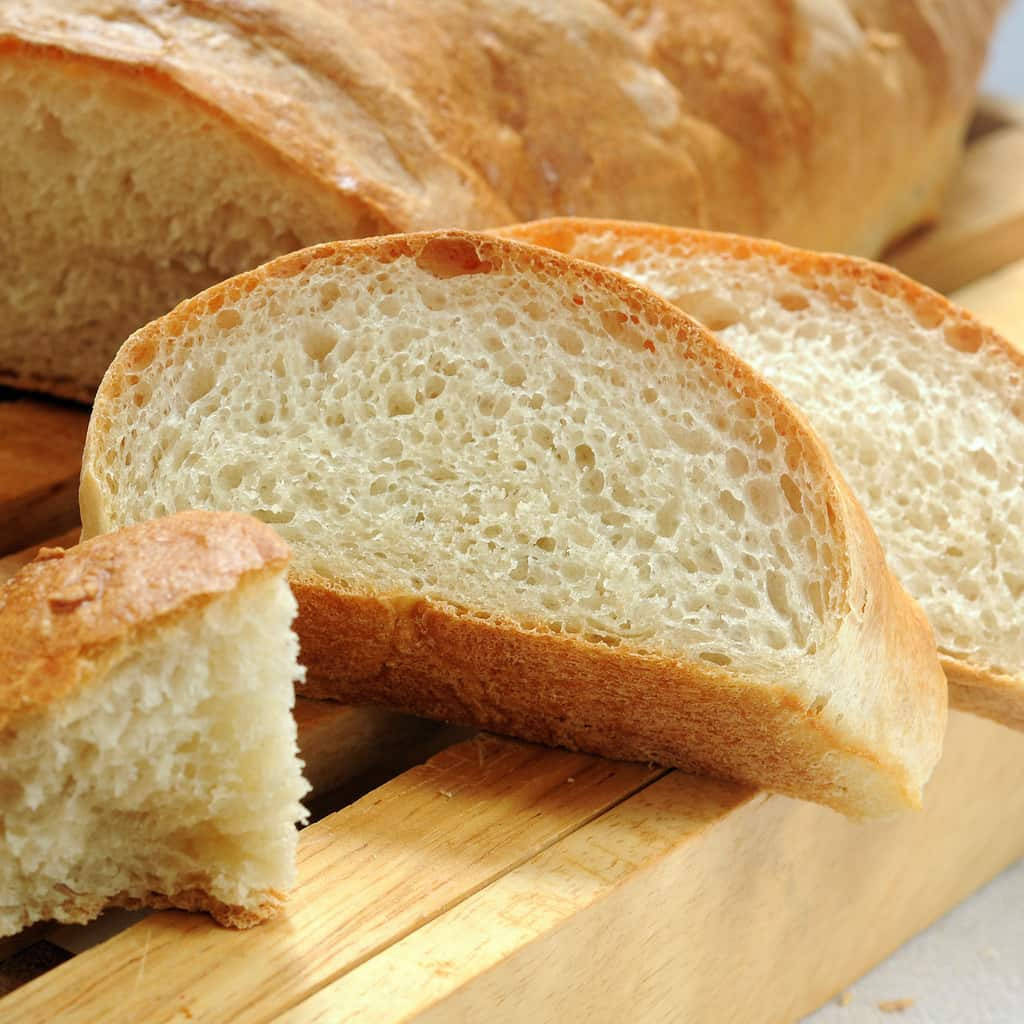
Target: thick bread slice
[(524, 493), (922, 405), (147, 753), (151, 149)]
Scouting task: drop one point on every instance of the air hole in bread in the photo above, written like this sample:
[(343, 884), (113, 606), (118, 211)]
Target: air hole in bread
[(451, 257), (964, 337), (793, 302)]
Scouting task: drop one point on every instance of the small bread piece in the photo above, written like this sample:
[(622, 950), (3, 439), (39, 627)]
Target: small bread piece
[(922, 405), (523, 493), (151, 149), (147, 754)]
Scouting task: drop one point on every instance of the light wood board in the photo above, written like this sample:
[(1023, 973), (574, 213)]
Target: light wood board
[(695, 901), (368, 875), (999, 300)]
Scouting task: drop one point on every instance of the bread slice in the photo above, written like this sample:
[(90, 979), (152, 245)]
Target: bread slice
[(151, 149), (524, 493), (922, 406), (147, 753)]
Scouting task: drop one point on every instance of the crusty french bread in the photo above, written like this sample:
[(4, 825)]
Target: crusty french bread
[(152, 149), (147, 753), (922, 406), (524, 493)]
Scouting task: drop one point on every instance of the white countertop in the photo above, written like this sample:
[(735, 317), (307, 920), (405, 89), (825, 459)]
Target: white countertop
[(968, 968)]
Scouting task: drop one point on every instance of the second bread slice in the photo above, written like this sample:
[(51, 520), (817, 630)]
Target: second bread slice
[(922, 405), (524, 493)]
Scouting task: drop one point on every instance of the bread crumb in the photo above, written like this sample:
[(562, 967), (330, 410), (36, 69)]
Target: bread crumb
[(75, 594), (882, 40), (446, 793), (45, 554), (895, 1005), (845, 998)]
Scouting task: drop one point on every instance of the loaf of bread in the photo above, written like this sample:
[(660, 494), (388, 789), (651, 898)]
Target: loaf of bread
[(525, 494), (153, 148), (922, 406), (147, 753)]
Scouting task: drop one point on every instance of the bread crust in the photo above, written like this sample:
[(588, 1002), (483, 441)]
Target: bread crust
[(625, 701), (70, 614), (454, 112), (976, 687), (413, 115)]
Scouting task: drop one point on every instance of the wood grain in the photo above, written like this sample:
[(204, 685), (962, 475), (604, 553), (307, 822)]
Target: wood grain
[(699, 901), (40, 457), (368, 876), (982, 225), (340, 744)]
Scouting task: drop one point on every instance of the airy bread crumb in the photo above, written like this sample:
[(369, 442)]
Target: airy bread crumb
[(159, 767), (922, 405)]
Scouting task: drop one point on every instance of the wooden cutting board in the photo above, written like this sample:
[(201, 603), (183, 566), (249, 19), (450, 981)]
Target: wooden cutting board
[(507, 882)]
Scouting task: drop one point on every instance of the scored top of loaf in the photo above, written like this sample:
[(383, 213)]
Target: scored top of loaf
[(67, 611), (909, 329), (456, 113)]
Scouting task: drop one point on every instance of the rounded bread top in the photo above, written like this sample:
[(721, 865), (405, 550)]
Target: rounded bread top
[(67, 613)]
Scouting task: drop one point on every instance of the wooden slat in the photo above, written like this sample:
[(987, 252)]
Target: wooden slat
[(992, 113), (696, 901), (368, 876), (982, 225), (40, 456), (339, 744)]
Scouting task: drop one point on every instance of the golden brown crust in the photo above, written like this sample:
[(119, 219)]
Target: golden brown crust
[(815, 269), (625, 702), (455, 112), (974, 687), (95, 56), (449, 664), (263, 905), (68, 613), (832, 125)]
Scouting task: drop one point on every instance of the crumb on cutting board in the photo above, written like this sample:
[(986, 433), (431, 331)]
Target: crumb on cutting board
[(895, 1005), (845, 998)]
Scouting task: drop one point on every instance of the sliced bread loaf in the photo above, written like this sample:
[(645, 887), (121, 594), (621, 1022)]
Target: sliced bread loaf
[(524, 493), (147, 753), (922, 406)]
